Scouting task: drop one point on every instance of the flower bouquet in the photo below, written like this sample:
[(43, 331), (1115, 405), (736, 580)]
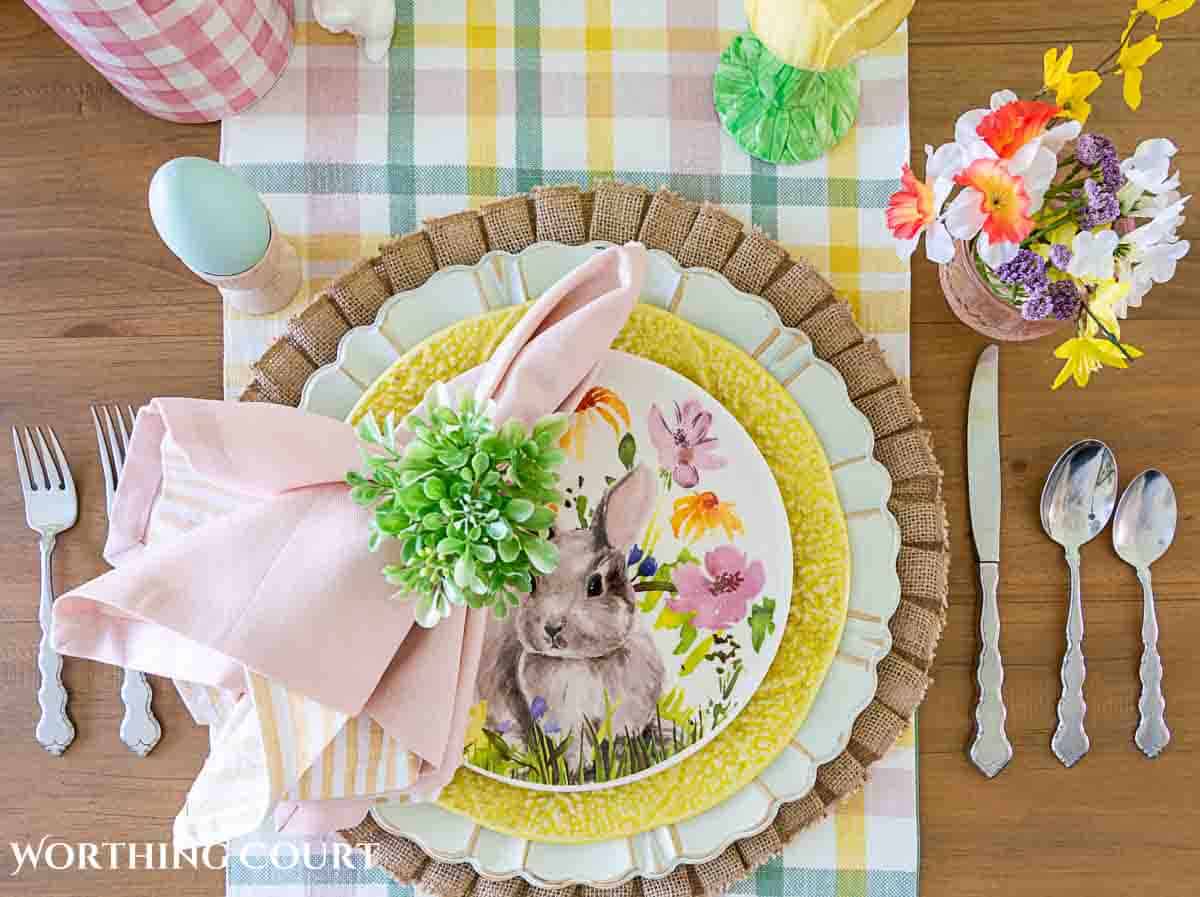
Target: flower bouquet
[(1049, 224)]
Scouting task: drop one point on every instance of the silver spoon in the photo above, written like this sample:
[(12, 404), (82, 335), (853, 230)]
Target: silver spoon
[(1077, 503), (1142, 532)]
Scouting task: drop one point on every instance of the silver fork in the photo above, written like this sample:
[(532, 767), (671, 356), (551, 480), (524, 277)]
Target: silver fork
[(51, 507), (140, 731)]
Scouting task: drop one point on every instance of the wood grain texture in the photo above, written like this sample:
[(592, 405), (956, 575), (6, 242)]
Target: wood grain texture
[(94, 307)]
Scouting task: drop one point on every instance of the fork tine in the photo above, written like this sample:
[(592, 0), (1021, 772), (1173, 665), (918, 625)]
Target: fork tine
[(52, 470), (105, 464), (120, 416), (114, 444), (64, 469), (35, 463), (22, 470)]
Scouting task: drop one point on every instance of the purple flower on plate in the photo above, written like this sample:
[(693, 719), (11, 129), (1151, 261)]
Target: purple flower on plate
[(648, 567), (504, 727), (684, 445), (551, 727), (635, 555), (537, 708)]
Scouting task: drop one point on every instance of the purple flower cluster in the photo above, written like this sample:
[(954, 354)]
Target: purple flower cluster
[(1025, 269), (1060, 301), (1098, 152), (1100, 206), (1060, 256)]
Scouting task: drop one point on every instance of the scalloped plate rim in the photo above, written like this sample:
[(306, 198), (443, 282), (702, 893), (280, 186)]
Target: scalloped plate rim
[(855, 418)]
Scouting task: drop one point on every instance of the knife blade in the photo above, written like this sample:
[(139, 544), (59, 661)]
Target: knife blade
[(991, 749)]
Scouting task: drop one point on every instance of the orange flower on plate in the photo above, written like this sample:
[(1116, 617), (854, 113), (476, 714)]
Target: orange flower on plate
[(1013, 125), (696, 514), (1003, 204), (598, 402)]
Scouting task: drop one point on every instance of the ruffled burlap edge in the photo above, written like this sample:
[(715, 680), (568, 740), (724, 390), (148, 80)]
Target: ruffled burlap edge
[(697, 235)]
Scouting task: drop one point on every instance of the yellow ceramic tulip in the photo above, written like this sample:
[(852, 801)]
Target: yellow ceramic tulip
[(824, 34)]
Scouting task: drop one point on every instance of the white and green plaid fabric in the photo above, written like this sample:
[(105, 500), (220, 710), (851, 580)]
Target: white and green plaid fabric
[(485, 98)]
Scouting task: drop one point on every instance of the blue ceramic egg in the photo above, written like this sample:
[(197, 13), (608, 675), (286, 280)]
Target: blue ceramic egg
[(209, 216)]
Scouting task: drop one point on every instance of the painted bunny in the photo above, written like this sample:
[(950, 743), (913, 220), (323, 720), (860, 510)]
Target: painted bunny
[(578, 634)]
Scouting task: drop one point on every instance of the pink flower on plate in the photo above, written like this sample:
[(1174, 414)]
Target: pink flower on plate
[(684, 446), (719, 594)]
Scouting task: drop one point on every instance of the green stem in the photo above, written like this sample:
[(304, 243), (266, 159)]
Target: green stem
[(1108, 334)]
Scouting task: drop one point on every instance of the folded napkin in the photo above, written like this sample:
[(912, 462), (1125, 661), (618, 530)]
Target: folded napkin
[(272, 598)]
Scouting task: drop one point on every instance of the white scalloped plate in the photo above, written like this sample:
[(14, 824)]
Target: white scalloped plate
[(707, 299)]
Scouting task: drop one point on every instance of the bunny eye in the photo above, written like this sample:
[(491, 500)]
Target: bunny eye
[(595, 585)]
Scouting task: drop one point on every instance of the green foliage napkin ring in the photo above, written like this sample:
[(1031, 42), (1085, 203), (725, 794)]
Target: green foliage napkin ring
[(470, 503)]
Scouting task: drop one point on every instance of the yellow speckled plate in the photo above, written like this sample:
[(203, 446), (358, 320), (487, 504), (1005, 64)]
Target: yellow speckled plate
[(819, 598)]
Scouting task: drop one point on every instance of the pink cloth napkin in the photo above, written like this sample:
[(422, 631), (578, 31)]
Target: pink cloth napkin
[(285, 586)]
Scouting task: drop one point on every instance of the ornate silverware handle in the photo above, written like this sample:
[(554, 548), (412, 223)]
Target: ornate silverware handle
[(54, 730), (1070, 741), (140, 731), (991, 749), (1152, 732)]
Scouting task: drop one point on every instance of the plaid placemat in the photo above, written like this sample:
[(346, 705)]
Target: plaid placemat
[(484, 99)]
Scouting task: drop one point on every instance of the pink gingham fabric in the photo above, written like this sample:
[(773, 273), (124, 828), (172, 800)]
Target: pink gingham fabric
[(182, 60)]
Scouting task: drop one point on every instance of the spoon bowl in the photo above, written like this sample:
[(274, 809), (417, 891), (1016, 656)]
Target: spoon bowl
[(1077, 503), (1146, 517), (1080, 494), (1142, 532)]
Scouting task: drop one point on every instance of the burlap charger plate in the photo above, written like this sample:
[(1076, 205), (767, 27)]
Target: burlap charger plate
[(696, 236)]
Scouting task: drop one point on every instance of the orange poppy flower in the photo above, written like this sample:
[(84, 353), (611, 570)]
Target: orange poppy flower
[(696, 514), (598, 402), (1013, 125)]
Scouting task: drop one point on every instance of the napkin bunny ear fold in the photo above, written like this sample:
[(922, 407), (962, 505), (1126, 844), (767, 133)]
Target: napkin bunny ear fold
[(625, 509)]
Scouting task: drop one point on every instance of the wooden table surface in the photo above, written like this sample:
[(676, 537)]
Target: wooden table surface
[(93, 307)]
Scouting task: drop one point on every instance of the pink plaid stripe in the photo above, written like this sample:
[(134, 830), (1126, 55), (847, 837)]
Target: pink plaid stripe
[(182, 60)]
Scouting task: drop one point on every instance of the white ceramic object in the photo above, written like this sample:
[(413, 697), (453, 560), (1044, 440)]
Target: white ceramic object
[(632, 391), (371, 21), (707, 299)]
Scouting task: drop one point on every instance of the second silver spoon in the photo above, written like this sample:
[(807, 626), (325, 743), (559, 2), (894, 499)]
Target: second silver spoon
[(1077, 503), (1143, 530)]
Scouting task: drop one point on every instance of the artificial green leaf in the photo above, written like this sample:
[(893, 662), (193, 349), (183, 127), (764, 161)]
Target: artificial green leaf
[(449, 545), (551, 428), (627, 451), (509, 549), (434, 489), (484, 553), (480, 463), (581, 511), (498, 530), (541, 518), (464, 570), (519, 510), (433, 521), (541, 553)]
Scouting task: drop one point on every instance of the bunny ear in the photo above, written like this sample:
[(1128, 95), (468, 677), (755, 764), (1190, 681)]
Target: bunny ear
[(625, 508)]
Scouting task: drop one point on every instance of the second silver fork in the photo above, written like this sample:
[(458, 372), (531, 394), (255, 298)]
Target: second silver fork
[(140, 731)]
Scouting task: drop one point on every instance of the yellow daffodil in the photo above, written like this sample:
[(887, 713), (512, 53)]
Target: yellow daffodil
[(696, 514), (597, 402), (1165, 9), (1132, 58), (1084, 355)]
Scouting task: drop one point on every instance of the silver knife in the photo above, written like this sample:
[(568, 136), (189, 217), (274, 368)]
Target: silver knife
[(991, 749)]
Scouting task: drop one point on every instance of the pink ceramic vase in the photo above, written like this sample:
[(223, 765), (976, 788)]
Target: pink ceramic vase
[(977, 305)]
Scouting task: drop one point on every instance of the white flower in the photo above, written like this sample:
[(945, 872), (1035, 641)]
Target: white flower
[(1149, 168), (1150, 205), (1092, 255), (1150, 253)]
